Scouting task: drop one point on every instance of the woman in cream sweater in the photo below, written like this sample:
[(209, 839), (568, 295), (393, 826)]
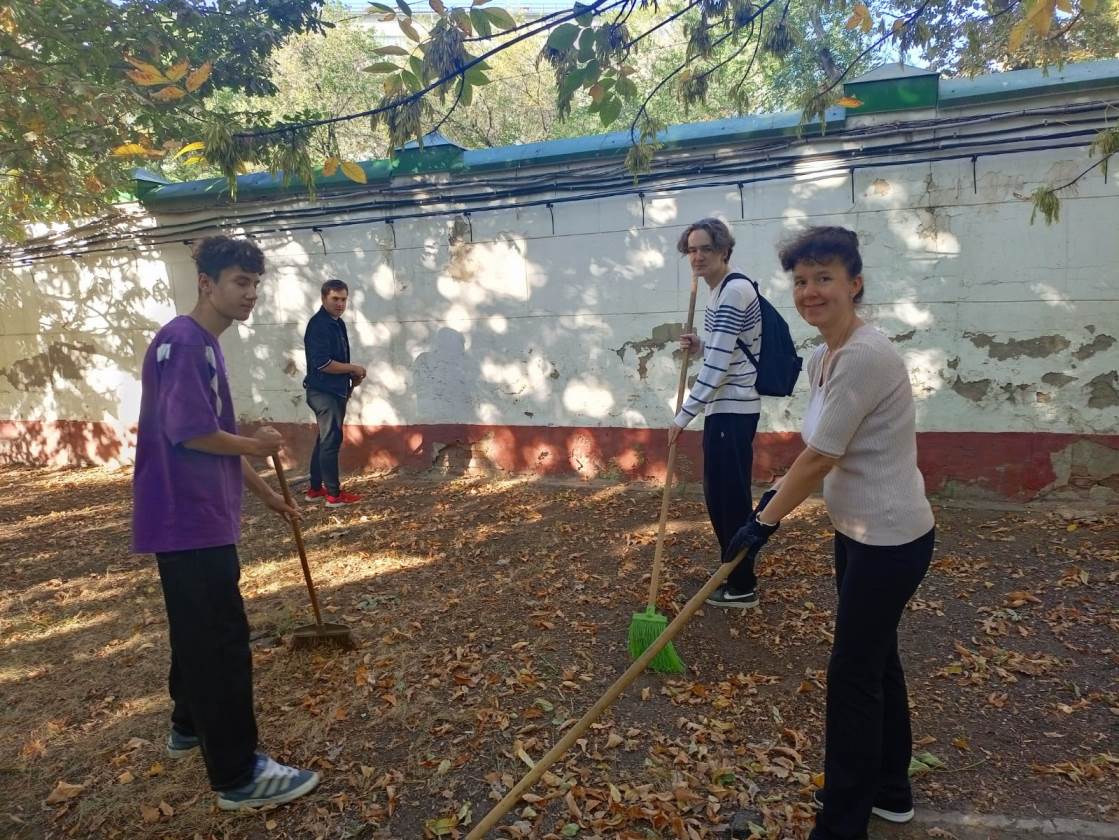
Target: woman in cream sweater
[(860, 441)]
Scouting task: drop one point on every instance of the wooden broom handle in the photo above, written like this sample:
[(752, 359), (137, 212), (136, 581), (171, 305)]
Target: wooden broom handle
[(575, 732), (670, 466), (298, 532)]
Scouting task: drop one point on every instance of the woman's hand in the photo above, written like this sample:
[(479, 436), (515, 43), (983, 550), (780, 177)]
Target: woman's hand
[(749, 539)]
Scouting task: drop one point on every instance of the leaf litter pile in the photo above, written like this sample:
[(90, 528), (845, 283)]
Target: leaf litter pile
[(490, 614)]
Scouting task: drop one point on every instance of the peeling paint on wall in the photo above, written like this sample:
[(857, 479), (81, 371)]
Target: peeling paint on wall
[(663, 335), (1034, 348), (1058, 379), (1104, 393), (1098, 345), (974, 391), (900, 337)]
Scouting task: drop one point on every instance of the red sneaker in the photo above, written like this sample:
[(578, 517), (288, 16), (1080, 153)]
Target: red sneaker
[(314, 493), (343, 498)]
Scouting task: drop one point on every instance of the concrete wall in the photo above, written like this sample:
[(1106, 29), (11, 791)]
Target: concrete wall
[(542, 339)]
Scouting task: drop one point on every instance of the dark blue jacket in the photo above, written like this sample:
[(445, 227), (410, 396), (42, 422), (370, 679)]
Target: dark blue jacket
[(325, 341)]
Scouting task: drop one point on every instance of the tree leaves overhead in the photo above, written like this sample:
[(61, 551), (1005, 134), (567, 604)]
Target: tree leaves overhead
[(136, 72), (82, 79)]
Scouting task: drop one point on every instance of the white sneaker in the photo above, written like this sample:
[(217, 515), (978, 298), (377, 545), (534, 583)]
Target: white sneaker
[(272, 784)]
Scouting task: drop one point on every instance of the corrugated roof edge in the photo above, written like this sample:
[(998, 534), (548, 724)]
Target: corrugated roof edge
[(1015, 84)]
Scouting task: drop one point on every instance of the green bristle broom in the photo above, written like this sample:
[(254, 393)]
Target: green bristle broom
[(646, 626)]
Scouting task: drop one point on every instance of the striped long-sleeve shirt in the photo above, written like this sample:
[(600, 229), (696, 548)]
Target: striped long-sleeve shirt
[(725, 384)]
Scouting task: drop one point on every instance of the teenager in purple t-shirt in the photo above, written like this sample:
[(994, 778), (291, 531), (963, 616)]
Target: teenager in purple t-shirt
[(190, 465)]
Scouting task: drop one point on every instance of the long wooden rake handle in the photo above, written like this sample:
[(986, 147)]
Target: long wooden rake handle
[(575, 732), (298, 533), (670, 467)]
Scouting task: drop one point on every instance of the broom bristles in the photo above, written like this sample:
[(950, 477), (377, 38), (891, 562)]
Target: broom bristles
[(643, 631)]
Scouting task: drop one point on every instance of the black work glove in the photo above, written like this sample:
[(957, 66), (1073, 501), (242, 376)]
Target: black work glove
[(766, 498), (749, 538)]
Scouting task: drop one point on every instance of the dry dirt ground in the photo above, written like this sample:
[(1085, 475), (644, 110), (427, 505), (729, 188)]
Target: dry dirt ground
[(490, 614)]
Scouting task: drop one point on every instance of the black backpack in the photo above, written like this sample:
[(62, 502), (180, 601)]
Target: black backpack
[(780, 365)]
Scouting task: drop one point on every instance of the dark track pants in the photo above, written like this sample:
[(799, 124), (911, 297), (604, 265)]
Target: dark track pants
[(211, 679), (728, 461)]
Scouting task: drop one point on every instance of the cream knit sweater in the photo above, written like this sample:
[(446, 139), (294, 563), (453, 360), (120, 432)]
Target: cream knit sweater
[(863, 414)]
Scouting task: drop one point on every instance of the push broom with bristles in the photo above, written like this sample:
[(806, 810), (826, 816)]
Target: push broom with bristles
[(646, 626), (321, 633)]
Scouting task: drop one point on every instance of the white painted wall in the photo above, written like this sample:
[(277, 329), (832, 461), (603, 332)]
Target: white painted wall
[(1005, 327)]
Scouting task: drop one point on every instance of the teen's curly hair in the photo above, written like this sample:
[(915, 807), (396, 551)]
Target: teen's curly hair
[(214, 254)]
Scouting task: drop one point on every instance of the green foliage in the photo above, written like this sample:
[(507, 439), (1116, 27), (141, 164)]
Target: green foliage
[(81, 78), (147, 78)]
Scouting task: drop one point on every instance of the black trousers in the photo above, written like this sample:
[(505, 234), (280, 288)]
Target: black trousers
[(728, 461), (211, 680), (868, 741), (330, 412)]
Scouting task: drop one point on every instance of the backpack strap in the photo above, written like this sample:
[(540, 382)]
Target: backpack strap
[(737, 275)]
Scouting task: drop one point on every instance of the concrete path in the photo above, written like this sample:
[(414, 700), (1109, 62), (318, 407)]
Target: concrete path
[(960, 826)]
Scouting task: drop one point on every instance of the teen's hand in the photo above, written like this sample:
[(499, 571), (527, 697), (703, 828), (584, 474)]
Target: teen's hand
[(673, 433), (749, 539), (279, 504), (268, 442), (690, 343)]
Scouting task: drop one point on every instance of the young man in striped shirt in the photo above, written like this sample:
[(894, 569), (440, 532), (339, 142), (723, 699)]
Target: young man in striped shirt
[(724, 393)]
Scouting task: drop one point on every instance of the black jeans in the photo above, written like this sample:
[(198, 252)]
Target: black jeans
[(211, 680), (330, 412), (868, 741), (728, 461)]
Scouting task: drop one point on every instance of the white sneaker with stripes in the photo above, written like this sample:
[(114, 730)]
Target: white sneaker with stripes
[(272, 784)]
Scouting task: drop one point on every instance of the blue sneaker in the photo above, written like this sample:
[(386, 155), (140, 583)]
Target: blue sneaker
[(272, 784), (180, 745)]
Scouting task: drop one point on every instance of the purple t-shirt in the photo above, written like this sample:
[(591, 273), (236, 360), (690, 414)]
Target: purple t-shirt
[(184, 499)]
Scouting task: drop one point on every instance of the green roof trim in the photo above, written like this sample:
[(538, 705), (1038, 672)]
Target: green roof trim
[(1020, 84), (905, 93), (881, 91)]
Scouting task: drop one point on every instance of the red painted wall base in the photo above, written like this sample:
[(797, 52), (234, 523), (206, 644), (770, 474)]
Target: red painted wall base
[(1011, 465)]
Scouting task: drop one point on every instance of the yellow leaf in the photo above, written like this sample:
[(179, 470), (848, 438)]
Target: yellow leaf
[(860, 17), (352, 171), (147, 78), (818, 780), (178, 70), (129, 150), (1072, 526), (198, 76), (1087, 6), (1017, 36), (848, 102), (63, 792), (193, 160), (330, 167), (144, 67), (1040, 16), (196, 146), (172, 93)]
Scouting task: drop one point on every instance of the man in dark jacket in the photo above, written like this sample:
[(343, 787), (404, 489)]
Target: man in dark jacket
[(329, 382)]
